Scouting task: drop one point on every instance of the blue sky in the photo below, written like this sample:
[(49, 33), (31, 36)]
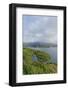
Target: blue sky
[(40, 29)]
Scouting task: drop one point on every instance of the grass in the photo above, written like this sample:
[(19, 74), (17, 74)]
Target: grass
[(41, 66)]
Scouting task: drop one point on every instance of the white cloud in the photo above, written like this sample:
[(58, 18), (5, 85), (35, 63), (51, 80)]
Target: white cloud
[(38, 35), (42, 29)]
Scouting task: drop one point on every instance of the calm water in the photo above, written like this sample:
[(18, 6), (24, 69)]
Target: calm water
[(51, 50)]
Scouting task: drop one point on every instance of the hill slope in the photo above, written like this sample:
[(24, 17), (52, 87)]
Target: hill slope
[(41, 65)]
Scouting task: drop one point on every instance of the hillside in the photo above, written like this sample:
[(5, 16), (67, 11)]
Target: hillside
[(37, 62)]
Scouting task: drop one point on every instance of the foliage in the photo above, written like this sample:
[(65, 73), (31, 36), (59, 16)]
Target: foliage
[(40, 66)]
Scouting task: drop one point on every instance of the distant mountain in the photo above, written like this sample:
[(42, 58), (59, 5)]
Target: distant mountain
[(39, 44)]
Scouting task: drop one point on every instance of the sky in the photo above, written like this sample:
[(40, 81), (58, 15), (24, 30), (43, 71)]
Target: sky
[(40, 29)]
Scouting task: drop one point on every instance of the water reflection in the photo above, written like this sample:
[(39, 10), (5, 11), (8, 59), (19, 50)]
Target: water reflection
[(34, 58)]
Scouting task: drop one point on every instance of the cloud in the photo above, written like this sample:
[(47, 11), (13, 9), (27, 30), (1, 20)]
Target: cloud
[(40, 28)]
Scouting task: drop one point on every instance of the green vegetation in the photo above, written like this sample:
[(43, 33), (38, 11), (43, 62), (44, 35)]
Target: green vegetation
[(40, 66)]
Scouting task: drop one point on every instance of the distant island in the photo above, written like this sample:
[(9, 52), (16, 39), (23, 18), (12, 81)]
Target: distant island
[(39, 44)]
